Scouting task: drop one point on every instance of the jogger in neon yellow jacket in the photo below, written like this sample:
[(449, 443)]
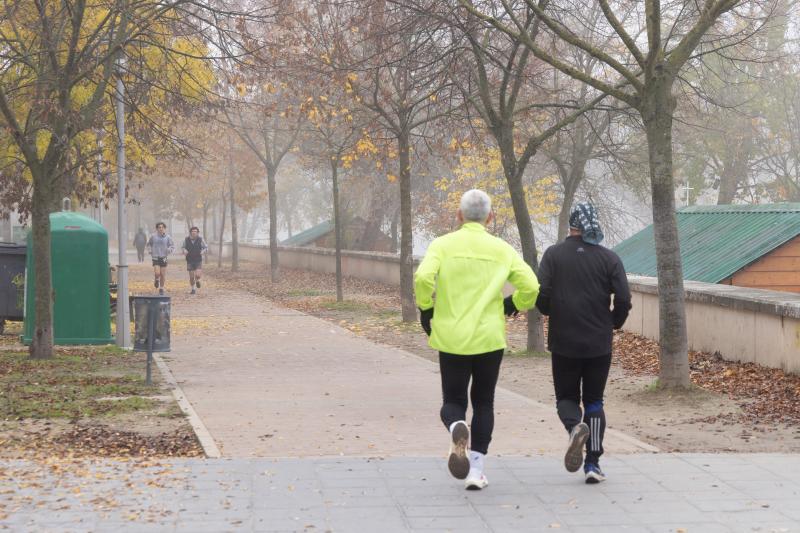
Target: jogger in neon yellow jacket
[(467, 270)]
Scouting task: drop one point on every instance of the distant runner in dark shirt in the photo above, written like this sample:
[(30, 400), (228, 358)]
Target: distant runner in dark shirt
[(139, 242), (193, 248), (578, 277)]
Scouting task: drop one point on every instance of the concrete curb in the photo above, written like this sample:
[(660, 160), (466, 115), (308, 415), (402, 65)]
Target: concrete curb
[(203, 435)]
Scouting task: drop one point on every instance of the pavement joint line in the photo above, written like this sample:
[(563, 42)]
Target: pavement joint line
[(210, 447)]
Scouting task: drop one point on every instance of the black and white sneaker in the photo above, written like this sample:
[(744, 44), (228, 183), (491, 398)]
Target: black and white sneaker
[(593, 473), (573, 459), (193, 292), (458, 462)]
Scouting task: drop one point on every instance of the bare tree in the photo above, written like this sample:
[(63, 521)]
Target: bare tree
[(642, 74), (506, 89)]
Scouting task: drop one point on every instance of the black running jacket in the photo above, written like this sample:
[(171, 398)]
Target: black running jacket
[(577, 280)]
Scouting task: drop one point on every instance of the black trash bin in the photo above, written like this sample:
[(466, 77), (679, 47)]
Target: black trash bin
[(151, 327), (12, 282), (151, 312)]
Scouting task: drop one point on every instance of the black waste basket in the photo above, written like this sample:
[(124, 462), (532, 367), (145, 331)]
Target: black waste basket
[(151, 323), (12, 282)]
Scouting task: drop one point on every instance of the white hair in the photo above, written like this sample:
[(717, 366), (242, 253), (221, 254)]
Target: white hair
[(475, 206)]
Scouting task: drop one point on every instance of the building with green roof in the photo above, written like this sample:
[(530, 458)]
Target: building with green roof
[(353, 237), (754, 246)]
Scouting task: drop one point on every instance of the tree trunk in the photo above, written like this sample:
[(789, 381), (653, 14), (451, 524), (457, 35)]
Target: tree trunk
[(222, 230), (406, 222), (657, 113), (273, 225), (372, 228), (42, 339), (234, 230), (254, 225), (570, 187), (205, 220), (394, 234), (727, 188), (527, 239), (736, 166), (214, 223), (337, 229), (535, 341), (245, 226)]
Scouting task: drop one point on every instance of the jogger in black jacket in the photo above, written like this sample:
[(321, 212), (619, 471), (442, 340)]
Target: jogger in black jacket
[(578, 277)]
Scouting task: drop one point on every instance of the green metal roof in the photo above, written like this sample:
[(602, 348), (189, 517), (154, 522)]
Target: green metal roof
[(310, 235), (717, 240)]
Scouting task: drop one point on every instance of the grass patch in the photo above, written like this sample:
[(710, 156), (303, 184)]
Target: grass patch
[(305, 292), (655, 386), (526, 353), (347, 305), (76, 383)]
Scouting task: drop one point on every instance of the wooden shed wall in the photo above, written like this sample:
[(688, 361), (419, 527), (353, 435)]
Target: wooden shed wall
[(777, 271)]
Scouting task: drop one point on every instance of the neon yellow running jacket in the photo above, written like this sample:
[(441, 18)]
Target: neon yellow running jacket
[(468, 269)]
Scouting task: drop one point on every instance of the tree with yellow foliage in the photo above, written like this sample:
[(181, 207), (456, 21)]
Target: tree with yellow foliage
[(59, 61), (481, 167), (338, 137)]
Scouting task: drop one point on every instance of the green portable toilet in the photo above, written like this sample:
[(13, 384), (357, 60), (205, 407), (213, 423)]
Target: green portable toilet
[(81, 309)]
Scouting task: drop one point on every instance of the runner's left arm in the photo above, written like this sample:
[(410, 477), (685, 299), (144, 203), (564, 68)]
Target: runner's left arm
[(425, 277)]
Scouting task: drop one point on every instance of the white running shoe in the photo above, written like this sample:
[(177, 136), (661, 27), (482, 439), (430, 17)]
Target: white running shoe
[(573, 459), (476, 480), (458, 462)]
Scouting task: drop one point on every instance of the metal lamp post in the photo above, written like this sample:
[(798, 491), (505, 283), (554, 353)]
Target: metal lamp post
[(123, 320)]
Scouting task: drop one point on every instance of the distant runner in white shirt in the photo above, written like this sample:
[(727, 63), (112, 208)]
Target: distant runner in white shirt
[(160, 245)]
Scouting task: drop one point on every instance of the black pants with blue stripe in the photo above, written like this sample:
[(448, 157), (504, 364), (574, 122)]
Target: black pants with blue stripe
[(577, 379)]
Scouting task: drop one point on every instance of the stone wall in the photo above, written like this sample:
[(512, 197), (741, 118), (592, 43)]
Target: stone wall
[(741, 324), (376, 266)]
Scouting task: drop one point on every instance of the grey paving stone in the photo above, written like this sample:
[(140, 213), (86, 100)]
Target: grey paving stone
[(526, 494), (605, 529), (692, 527), (444, 523), (438, 511)]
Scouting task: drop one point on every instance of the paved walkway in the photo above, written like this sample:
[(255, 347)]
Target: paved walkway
[(646, 492), (272, 382), (323, 431)]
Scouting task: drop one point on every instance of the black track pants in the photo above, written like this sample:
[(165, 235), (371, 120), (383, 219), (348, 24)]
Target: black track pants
[(457, 370), (573, 376)]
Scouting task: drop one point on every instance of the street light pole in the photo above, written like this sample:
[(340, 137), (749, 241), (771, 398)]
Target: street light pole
[(123, 321), (100, 200)]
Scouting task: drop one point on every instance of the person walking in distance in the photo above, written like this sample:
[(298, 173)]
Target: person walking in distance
[(578, 277), (193, 248), (467, 269), (139, 242), (160, 245)]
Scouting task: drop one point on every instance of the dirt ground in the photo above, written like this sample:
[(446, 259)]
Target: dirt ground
[(735, 407)]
